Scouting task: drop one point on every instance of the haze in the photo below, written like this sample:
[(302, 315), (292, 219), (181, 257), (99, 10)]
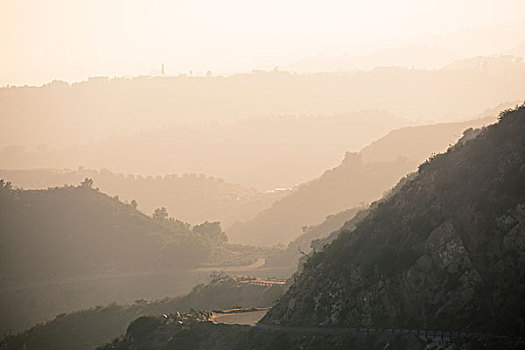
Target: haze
[(72, 40), (291, 165)]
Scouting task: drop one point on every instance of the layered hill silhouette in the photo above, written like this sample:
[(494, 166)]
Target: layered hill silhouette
[(285, 262), (445, 251), (68, 231), (264, 129), (351, 184), (266, 152), (361, 178), (419, 142), (432, 51), (192, 198), (101, 106), (291, 260), (69, 247)]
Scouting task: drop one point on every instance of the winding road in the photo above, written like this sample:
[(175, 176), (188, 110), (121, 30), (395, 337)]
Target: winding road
[(252, 318)]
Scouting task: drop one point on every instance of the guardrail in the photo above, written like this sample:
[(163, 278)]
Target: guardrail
[(423, 334)]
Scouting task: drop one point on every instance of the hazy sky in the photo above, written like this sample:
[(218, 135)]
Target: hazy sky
[(41, 40)]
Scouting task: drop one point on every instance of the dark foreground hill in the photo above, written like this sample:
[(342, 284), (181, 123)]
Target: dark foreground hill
[(154, 333), (314, 238), (446, 251)]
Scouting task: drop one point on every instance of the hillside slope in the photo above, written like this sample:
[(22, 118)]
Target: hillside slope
[(191, 198), (348, 185), (419, 142), (67, 248), (446, 251), (69, 231), (101, 106), (284, 262), (361, 178), (266, 152), (88, 328)]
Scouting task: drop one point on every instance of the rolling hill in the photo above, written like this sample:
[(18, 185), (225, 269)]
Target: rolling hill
[(70, 247), (191, 198), (361, 178)]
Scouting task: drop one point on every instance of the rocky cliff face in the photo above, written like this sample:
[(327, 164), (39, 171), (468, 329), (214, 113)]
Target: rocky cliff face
[(446, 251)]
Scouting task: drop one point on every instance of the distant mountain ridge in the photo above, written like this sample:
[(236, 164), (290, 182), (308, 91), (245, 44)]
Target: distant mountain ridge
[(349, 185), (60, 115), (265, 152)]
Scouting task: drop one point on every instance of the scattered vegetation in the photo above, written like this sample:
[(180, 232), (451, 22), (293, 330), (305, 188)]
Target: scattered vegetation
[(444, 251), (88, 328), (56, 241), (192, 198)]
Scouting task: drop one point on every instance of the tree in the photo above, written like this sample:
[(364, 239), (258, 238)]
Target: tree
[(5, 186), (160, 214), (87, 183), (133, 204), (211, 232)]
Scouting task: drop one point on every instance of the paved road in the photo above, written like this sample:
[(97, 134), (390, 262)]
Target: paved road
[(251, 318), (258, 263), (242, 318)]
